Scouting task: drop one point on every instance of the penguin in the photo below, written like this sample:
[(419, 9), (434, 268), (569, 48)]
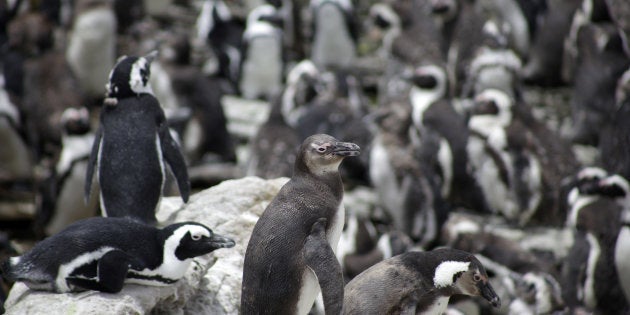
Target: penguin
[(16, 163), (103, 254), (77, 140), (334, 33), (133, 145), (589, 277), (292, 247), (410, 199), (273, 148), (91, 51), (418, 283), (262, 65), (615, 132), (302, 87), (219, 28)]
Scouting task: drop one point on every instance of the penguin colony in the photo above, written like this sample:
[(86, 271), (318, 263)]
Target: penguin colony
[(497, 129)]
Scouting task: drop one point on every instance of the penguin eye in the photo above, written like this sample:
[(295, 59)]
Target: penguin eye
[(321, 149), (476, 277), (196, 237)]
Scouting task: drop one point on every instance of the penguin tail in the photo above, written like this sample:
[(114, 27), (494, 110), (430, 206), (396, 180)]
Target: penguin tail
[(6, 270)]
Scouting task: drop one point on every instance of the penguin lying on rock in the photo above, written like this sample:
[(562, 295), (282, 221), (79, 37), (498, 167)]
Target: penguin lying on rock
[(104, 253), (418, 283)]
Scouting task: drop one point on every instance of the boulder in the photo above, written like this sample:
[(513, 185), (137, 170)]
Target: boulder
[(213, 283)]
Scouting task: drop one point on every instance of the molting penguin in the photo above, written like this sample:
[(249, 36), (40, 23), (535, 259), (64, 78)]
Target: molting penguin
[(104, 253), (133, 145), (418, 283), (293, 244), (334, 33), (262, 66)]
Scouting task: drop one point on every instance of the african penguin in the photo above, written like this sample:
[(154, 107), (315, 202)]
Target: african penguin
[(104, 253), (418, 283), (15, 157), (262, 63), (77, 140), (587, 274), (292, 247), (133, 145), (301, 88), (91, 51), (272, 149), (334, 33)]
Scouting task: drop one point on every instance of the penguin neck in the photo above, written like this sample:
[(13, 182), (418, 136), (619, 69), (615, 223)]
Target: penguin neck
[(331, 180)]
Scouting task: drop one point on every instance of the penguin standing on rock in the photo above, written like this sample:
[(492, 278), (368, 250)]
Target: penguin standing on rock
[(293, 244), (133, 146), (104, 253), (418, 283)]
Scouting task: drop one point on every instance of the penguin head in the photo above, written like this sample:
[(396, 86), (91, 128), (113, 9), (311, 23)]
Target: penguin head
[(265, 13), (75, 121), (190, 239), (540, 290), (585, 183), (130, 76), (492, 109), (462, 272), (322, 154)]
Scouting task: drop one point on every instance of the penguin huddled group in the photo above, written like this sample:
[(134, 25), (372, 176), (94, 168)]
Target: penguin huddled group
[(494, 140)]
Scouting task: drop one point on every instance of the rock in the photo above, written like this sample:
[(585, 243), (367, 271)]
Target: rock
[(213, 283)]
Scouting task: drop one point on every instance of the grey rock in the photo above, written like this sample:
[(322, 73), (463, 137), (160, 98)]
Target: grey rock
[(213, 283)]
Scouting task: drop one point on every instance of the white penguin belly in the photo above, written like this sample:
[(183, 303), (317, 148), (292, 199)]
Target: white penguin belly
[(310, 284), (622, 252), (438, 307)]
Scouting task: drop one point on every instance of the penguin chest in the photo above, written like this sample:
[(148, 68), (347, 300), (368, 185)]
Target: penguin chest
[(310, 285), (438, 307)]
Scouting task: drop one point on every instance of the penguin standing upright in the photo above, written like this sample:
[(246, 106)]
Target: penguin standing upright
[(77, 140), (334, 33), (104, 253), (262, 65), (133, 145), (91, 52), (418, 283), (293, 244)]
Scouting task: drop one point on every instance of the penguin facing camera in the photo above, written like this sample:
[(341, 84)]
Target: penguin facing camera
[(103, 254), (133, 145), (66, 205), (334, 33), (418, 283), (291, 253), (262, 63)]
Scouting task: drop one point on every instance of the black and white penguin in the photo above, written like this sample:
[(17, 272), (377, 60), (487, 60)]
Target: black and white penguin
[(334, 33), (91, 51), (16, 163), (588, 278), (503, 157), (418, 283), (262, 66), (104, 253), (133, 145), (292, 247), (77, 140), (223, 31), (411, 200), (302, 87)]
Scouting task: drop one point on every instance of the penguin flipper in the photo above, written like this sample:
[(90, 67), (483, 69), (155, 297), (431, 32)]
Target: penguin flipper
[(174, 158), (321, 259), (91, 163), (112, 271)]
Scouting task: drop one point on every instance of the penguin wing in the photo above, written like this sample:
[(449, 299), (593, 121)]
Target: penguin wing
[(92, 161), (174, 158), (321, 259)]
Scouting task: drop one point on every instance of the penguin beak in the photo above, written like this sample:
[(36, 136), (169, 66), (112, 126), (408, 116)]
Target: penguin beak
[(487, 292), (218, 241), (346, 149)]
